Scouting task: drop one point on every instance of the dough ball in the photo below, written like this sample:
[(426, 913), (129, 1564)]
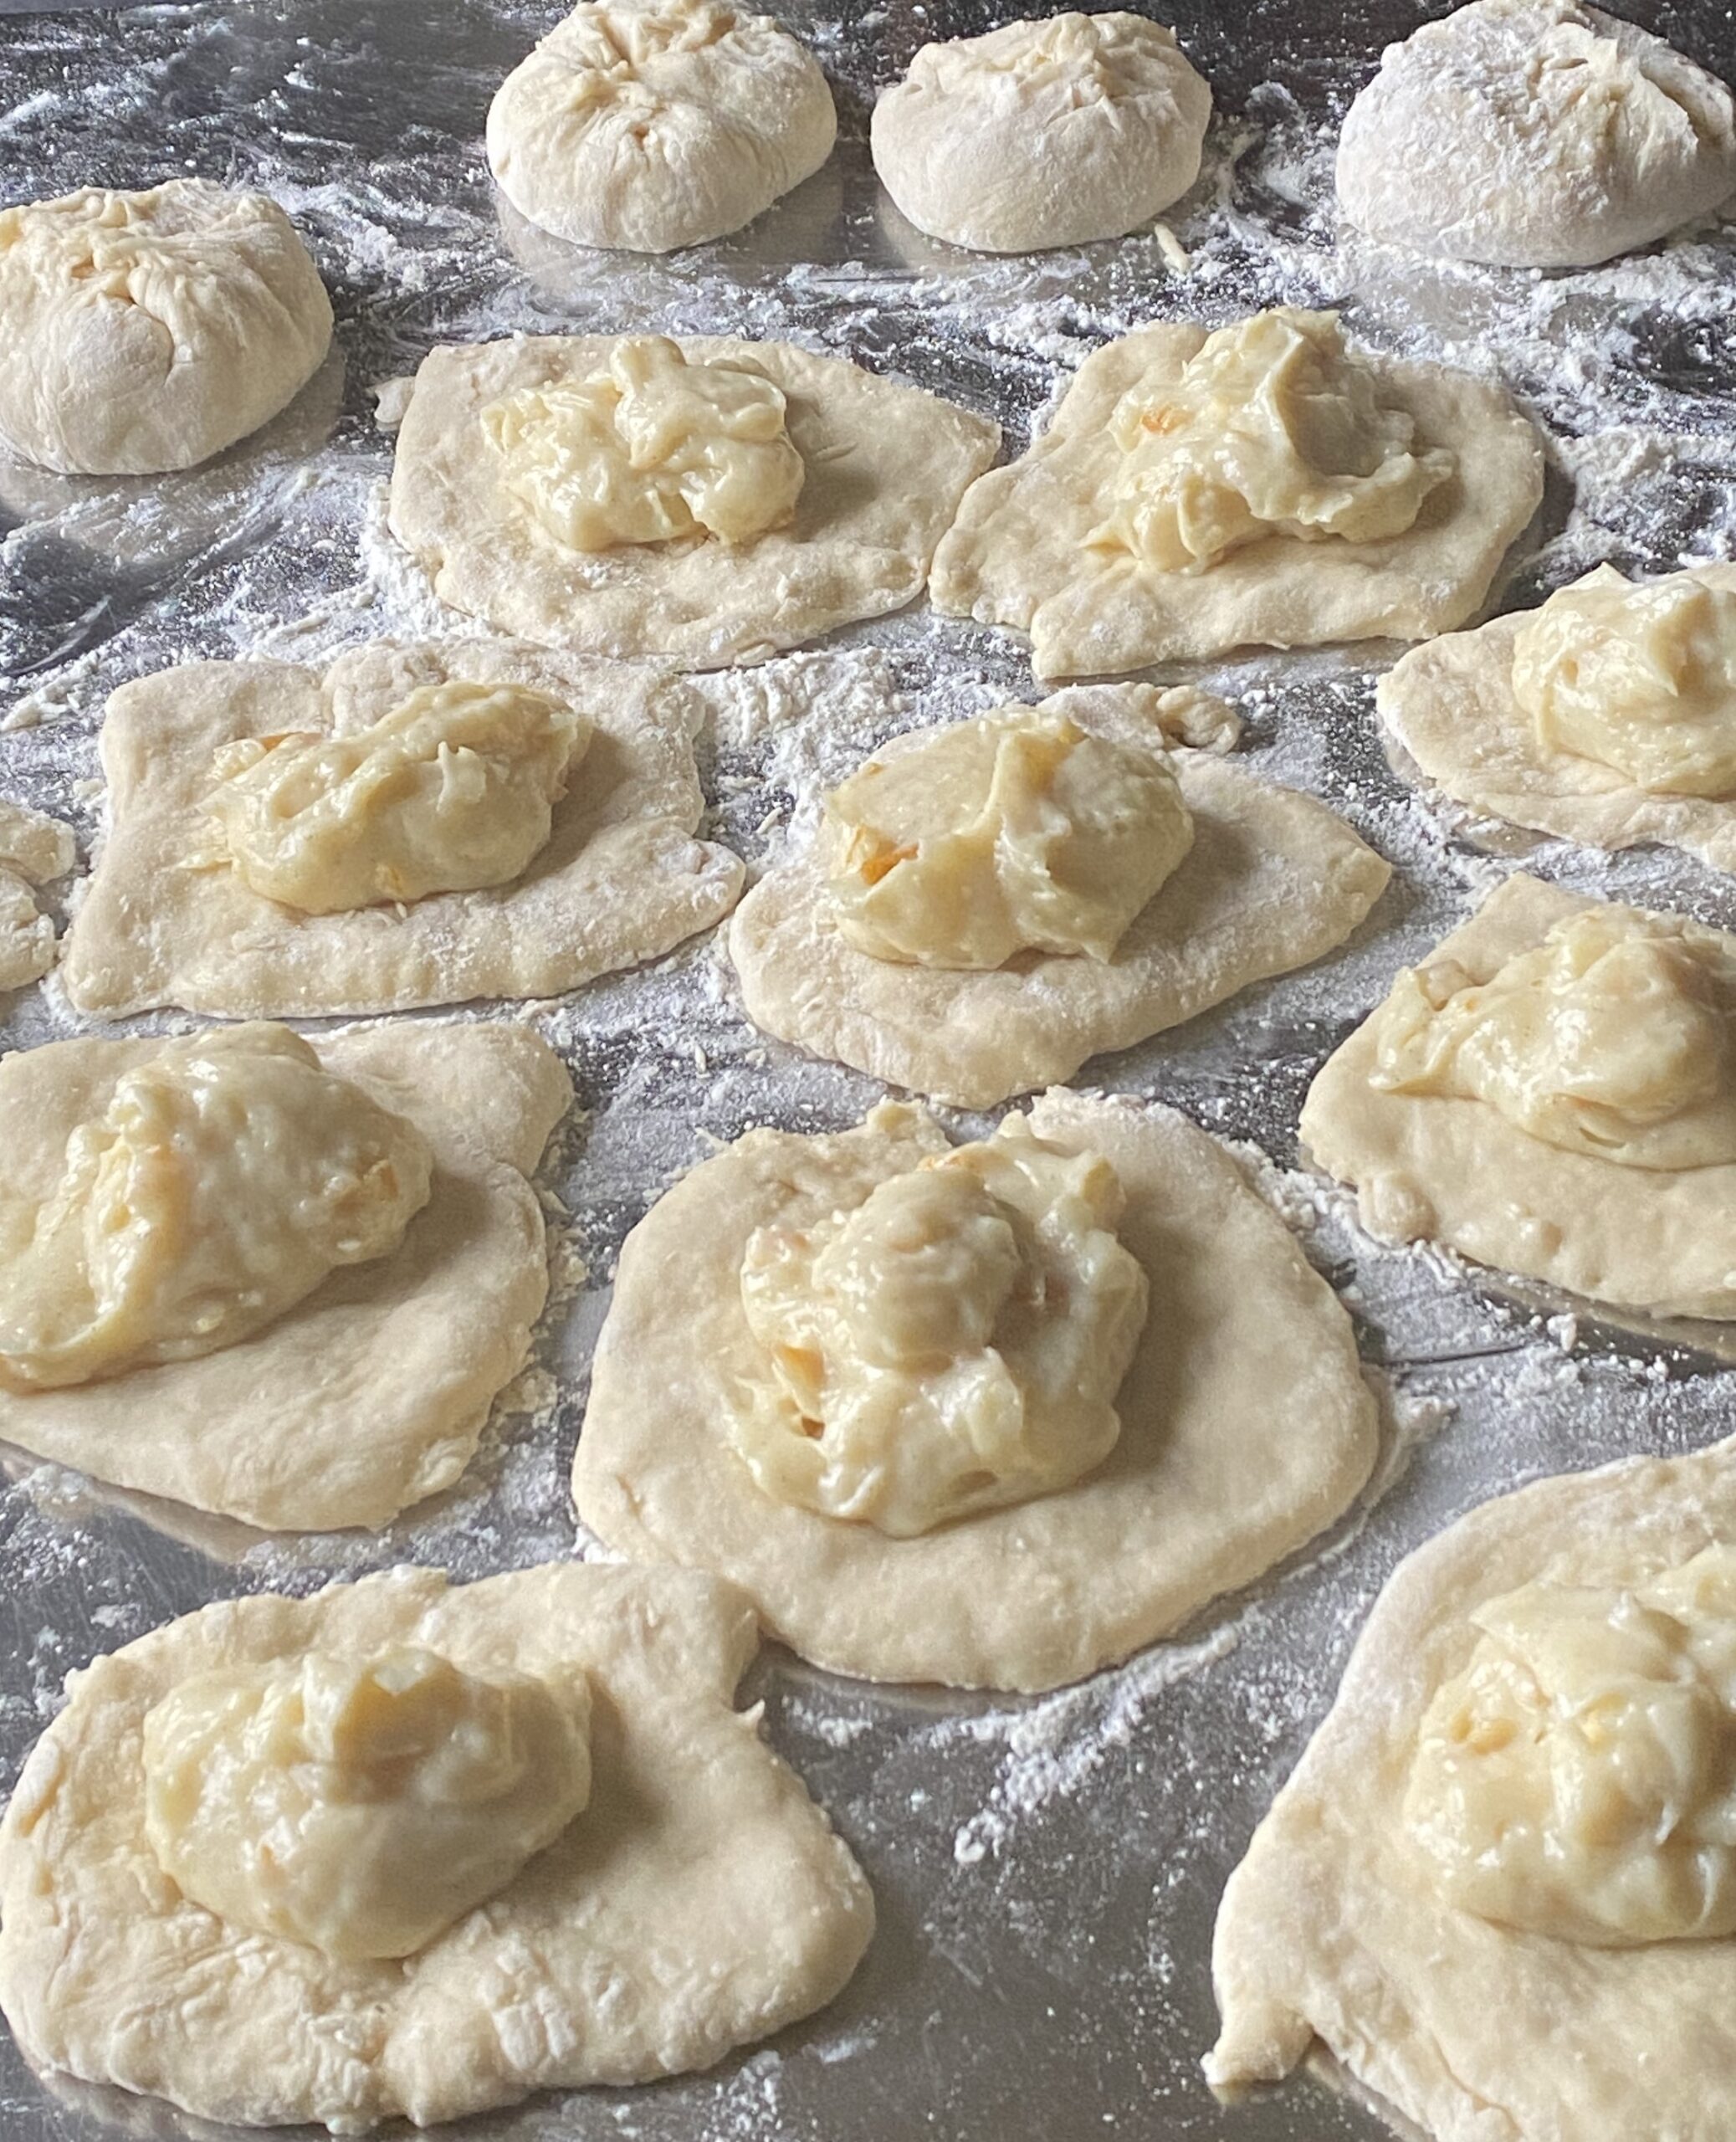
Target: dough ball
[(1042, 133), (1534, 134), (147, 331), (652, 123)]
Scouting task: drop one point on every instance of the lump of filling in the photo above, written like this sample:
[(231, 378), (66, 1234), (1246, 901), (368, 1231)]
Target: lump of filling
[(1017, 831), (651, 448), (953, 1344), (359, 1806), (228, 1174), (1273, 427), (1612, 1038)]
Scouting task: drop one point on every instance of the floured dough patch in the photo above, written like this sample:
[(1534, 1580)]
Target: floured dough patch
[(1035, 546), (1207, 1484), (883, 468), (1334, 1926), (699, 1902), (1501, 735), (1270, 880), (1589, 1029), (372, 1390), (168, 918), (33, 849)]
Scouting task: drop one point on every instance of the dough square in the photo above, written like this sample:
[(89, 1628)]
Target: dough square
[(620, 879), (700, 1901), (1457, 1171), (372, 1393), (886, 467), (1018, 556), (1331, 1930), (1209, 1485), (1450, 704), (1272, 880)]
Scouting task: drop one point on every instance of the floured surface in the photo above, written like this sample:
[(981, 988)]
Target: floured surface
[(1047, 1872)]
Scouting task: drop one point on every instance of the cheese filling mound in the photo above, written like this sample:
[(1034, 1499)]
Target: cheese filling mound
[(650, 448), (1613, 1038), (1016, 831), (360, 1807), (953, 1343), (1273, 428), (227, 1175)]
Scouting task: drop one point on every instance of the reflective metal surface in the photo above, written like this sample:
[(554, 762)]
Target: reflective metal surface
[(1047, 1873)]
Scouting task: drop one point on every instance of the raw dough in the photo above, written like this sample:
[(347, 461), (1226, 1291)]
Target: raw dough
[(1332, 1927), (653, 123), (147, 331), (1452, 705), (701, 1901), (1272, 880), (885, 468), (1457, 1170), (1209, 1484), (1534, 134), (1053, 131), (33, 848), (1024, 550), (620, 880), (372, 1393)]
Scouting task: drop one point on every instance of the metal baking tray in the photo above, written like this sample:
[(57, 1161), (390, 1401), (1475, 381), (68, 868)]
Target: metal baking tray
[(1047, 1871)]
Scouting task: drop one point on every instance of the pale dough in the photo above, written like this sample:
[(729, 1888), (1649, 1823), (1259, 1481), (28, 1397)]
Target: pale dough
[(652, 123), (1330, 1929), (1020, 553), (620, 880), (886, 467), (1246, 1426), (1273, 880), (1457, 1171), (1534, 134), (147, 331), (699, 1902), (1451, 705), (1052, 131), (372, 1393), (33, 849)]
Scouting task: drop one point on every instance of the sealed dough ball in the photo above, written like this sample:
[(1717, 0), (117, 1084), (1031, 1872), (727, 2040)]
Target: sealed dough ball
[(1043, 133), (652, 124), (147, 331), (1534, 134)]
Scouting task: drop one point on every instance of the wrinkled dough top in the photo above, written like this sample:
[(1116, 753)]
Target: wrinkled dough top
[(1015, 831), (227, 1176), (954, 1343), (452, 790), (651, 449), (1639, 678), (1613, 1038), (1273, 427), (1578, 1778)]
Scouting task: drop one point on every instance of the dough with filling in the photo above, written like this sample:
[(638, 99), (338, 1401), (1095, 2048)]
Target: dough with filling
[(1457, 707), (1208, 1483), (1336, 1926), (147, 331), (1270, 880), (35, 849), (168, 918), (698, 1902), (883, 468), (1534, 134), (1585, 1136), (1194, 493), (371, 1392), (652, 123), (1053, 131)]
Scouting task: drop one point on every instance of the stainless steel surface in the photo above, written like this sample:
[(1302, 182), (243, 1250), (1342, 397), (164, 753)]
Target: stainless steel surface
[(1047, 1873)]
